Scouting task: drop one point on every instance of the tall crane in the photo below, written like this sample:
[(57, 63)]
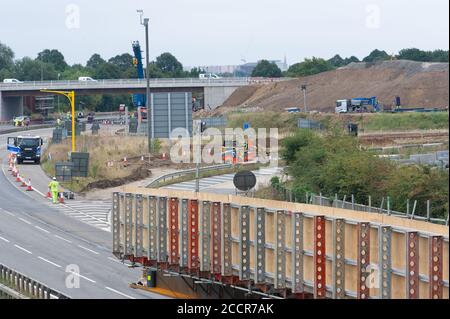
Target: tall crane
[(138, 99)]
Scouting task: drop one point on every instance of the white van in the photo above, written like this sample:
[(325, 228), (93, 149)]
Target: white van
[(11, 81), (86, 79), (205, 76)]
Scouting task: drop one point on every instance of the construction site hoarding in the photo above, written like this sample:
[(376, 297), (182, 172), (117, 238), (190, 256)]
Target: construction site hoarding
[(170, 111), (290, 248)]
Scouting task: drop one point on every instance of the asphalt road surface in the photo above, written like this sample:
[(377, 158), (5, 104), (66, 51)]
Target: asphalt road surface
[(39, 241)]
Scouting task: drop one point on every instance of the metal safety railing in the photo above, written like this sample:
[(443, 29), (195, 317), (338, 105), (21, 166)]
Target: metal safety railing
[(16, 285), (119, 82), (163, 178), (349, 203)]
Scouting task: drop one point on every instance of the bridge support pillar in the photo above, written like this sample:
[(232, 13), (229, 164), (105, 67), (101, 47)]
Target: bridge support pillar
[(10, 107)]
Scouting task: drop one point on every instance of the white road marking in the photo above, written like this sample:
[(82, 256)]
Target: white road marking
[(117, 261), (4, 239), (42, 229), (88, 250), (66, 240), (25, 221), (86, 278), (48, 261), (9, 213), (120, 293), (21, 248)]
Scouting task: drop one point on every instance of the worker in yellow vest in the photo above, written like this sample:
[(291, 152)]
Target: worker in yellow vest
[(53, 186)]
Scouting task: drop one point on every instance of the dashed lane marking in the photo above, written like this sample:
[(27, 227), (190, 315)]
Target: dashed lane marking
[(23, 249), (120, 293), (92, 251), (50, 262)]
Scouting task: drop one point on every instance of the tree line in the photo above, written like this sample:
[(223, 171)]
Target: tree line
[(50, 65), (334, 163), (318, 65)]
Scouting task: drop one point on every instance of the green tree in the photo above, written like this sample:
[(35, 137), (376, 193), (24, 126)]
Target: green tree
[(95, 61), (125, 63), (266, 69), (28, 69), (169, 65), (440, 56), (6, 57), (53, 57), (414, 55), (74, 72), (309, 67), (337, 61), (351, 59), (377, 55), (107, 71)]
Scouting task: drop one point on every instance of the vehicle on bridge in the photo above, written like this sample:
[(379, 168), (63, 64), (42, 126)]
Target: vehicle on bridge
[(11, 81), (26, 148), (86, 79), (205, 76)]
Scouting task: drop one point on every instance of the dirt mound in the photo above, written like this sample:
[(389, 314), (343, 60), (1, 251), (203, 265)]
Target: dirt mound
[(138, 174), (418, 84)]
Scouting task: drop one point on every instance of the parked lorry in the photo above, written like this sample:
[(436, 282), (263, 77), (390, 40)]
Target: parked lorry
[(358, 105), (26, 148)]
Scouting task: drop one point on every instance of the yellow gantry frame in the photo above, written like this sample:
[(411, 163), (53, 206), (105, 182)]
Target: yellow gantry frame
[(71, 96)]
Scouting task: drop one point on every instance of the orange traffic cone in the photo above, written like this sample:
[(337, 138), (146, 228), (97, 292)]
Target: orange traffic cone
[(18, 179), (61, 198), (24, 184), (14, 171), (29, 188), (49, 195)]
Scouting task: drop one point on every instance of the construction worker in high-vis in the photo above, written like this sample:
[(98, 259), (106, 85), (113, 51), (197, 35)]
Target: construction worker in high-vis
[(53, 186)]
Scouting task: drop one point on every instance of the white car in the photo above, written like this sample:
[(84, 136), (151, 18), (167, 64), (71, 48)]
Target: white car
[(86, 79), (11, 81)]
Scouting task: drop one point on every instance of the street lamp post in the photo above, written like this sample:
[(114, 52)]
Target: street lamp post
[(145, 22), (304, 96)]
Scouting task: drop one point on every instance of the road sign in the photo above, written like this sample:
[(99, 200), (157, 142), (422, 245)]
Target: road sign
[(246, 126), (244, 181)]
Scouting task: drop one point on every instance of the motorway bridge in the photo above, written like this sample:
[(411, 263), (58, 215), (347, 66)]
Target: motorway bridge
[(214, 91)]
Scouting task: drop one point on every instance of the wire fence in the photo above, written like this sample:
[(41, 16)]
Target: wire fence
[(348, 202)]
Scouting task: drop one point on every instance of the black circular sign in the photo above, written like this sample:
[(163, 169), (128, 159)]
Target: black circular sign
[(244, 181)]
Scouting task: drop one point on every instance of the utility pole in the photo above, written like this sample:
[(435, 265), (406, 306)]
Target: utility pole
[(150, 118), (304, 96), (197, 150)]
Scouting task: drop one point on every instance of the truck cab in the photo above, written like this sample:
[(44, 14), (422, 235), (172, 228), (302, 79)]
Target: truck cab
[(342, 106), (26, 148)]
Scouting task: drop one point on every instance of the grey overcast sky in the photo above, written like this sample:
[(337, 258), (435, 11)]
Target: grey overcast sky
[(213, 32)]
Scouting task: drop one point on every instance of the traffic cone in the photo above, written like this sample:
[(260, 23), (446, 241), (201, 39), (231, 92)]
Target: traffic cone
[(10, 168), (49, 195), (14, 171), (61, 197), (24, 183), (29, 188), (18, 179)]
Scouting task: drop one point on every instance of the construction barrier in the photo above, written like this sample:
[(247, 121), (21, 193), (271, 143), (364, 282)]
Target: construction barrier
[(288, 249)]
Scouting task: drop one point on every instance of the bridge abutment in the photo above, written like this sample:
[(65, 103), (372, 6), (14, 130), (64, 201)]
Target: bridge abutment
[(10, 107), (215, 96)]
